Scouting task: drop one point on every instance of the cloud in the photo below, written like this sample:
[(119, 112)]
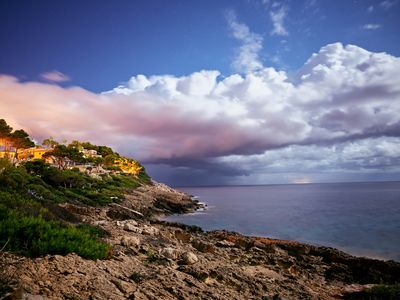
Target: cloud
[(278, 18), (372, 26), (387, 4), (247, 57), (358, 160), (376, 154), (370, 8), (54, 76), (202, 123)]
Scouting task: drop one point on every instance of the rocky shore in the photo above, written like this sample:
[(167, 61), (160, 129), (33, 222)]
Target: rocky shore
[(152, 259)]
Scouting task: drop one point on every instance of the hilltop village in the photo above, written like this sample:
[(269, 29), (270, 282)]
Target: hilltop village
[(18, 148)]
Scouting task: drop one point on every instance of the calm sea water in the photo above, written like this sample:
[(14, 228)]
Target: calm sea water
[(359, 218)]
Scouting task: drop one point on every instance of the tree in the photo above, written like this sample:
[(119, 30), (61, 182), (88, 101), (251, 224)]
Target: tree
[(76, 144), (20, 140), (36, 167), (49, 142), (89, 146), (5, 132), (110, 159), (97, 161), (62, 153), (104, 151), (4, 165), (5, 129)]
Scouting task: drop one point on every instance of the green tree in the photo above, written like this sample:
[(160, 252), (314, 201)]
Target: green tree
[(49, 142), (97, 161), (62, 154), (5, 129), (4, 165), (5, 132), (76, 144), (89, 146), (21, 140), (36, 167), (110, 159), (104, 151)]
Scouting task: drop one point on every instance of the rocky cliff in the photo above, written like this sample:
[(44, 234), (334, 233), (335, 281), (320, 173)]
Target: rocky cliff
[(152, 259)]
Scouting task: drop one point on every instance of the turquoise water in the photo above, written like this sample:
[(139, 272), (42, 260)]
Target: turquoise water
[(359, 218)]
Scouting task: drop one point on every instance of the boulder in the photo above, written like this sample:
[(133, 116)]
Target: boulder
[(122, 223), (183, 236), (132, 228), (189, 258), (130, 241), (225, 244), (170, 253), (203, 246), (150, 230), (100, 223)]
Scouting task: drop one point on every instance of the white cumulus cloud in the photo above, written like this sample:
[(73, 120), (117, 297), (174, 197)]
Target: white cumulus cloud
[(343, 96)]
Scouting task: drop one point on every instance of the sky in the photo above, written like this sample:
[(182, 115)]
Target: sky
[(212, 92)]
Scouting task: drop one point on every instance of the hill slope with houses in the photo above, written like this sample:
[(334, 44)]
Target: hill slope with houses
[(17, 147)]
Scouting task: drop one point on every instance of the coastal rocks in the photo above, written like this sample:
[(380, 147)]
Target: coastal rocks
[(150, 230), (129, 225), (132, 228), (100, 223), (203, 246), (120, 212), (189, 258), (356, 288), (183, 236), (170, 253), (185, 258), (123, 223), (261, 271), (130, 241), (225, 244)]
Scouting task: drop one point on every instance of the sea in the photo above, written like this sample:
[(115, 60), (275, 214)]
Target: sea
[(362, 219)]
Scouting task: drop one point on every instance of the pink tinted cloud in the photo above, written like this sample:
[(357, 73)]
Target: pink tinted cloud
[(55, 76), (161, 118)]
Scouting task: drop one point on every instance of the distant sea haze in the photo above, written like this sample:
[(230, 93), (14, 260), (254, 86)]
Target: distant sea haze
[(360, 218)]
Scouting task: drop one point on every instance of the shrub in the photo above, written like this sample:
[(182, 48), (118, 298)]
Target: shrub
[(35, 236)]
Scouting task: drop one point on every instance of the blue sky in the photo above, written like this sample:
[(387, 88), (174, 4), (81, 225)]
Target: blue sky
[(212, 92), (101, 43)]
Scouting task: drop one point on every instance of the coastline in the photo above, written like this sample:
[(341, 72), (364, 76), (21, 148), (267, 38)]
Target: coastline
[(155, 259), (310, 214)]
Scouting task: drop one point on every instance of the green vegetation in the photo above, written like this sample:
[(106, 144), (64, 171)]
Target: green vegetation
[(32, 222), (34, 236)]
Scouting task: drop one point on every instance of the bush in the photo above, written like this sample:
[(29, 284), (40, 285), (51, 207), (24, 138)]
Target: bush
[(35, 236)]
